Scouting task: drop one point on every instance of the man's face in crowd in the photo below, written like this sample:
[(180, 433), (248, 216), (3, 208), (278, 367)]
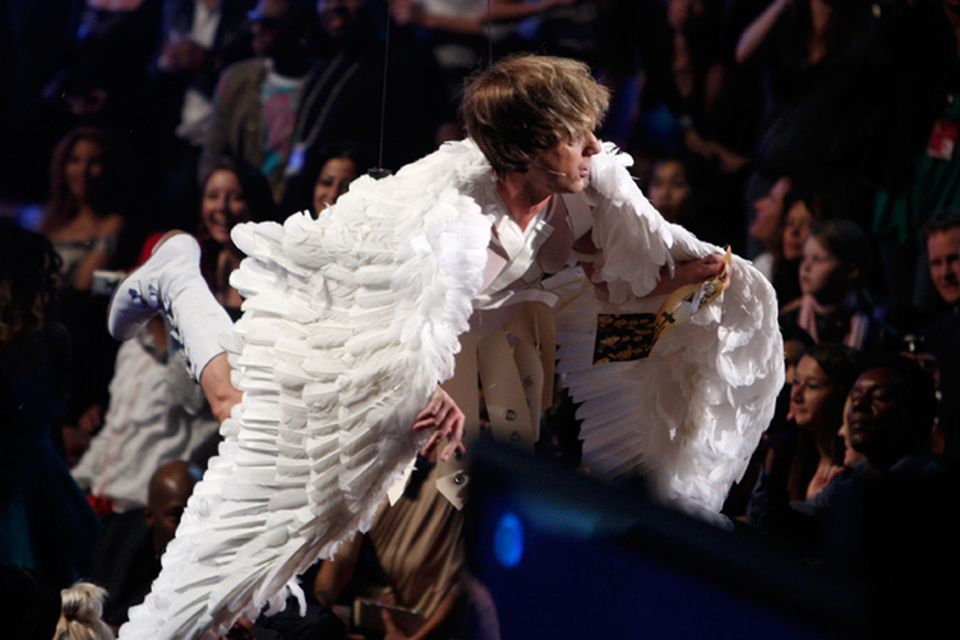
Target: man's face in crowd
[(876, 412), (943, 249), (338, 16)]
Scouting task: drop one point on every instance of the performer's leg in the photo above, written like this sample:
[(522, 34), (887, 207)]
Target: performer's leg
[(170, 282)]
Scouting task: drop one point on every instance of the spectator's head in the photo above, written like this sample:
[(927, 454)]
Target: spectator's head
[(278, 26), (233, 192), (339, 18), (669, 189), (796, 343), (526, 107), (802, 210), (766, 227), (170, 488), (942, 234), (833, 259), (81, 175), (821, 383), (28, 279), (338, 166), (891, 410), (81, 614)]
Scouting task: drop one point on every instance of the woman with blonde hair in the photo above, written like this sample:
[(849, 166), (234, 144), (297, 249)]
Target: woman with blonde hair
[(81, 614)]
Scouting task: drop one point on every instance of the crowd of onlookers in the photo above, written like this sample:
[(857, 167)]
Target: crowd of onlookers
[(816, 137)]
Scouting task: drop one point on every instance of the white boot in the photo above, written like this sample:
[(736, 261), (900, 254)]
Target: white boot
[(170, 282)]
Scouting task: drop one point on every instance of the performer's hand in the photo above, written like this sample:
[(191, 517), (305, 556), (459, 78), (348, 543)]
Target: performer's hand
[(689, 272), (442, 414), (698, 270)]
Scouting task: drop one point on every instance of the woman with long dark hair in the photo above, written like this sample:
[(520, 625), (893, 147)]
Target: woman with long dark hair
[(82, 217)]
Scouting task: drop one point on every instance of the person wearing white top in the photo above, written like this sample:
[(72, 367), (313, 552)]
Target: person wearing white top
[(351, 319)]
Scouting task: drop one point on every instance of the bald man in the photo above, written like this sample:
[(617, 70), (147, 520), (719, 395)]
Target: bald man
[(128, 553), (170, 487)]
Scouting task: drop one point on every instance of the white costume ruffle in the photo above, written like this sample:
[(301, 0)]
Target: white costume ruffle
[(352, 319), (689, 416)]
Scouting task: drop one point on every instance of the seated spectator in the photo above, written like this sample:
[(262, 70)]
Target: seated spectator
[(797, 40), (343, 96), (200, 38), (942, 235), (801, 466), (890, 413), (83, 222), (45, 523), (233, 192), (256, 100), (833, 308), (336, 167), (81, 614), (824, 376), (81, 218), (886, 522), (669, 190), (156, 412), (128, 552), (802, 208), (890, 518), (767, 225), (105, 76), (851, 457), (942, 334), (892, 408)]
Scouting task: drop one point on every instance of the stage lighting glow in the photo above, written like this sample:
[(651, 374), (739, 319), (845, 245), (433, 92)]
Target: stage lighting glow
[(508, 540)]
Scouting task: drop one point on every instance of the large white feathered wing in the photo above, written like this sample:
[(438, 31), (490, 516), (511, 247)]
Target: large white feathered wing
[(349, 322), (689, 416)]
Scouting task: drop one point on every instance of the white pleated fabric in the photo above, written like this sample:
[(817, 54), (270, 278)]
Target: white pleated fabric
[(351, 320)]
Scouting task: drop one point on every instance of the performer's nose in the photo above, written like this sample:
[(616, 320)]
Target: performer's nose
[(593, 145)]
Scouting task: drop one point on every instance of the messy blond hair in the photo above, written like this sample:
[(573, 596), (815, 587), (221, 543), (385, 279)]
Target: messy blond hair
[(81, 614), (524, 105)]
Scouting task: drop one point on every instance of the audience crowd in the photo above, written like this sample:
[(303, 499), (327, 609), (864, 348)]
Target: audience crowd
[(818, 138)]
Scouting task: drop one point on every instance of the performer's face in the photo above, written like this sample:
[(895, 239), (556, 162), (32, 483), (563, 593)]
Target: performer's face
[(224, 205), (566, 167)]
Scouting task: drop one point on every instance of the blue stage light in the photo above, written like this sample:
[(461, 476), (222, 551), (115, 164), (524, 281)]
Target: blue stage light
[(508, 540)]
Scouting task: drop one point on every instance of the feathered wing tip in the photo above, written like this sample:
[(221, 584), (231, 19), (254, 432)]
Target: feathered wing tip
[(690, 415), (349, 322)]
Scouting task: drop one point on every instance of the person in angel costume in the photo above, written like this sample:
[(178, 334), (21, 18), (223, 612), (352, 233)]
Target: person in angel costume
[(352, 318)]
